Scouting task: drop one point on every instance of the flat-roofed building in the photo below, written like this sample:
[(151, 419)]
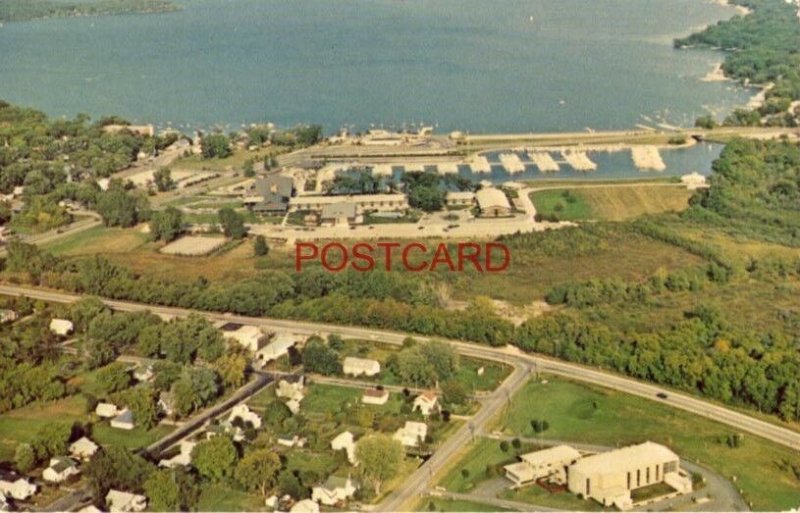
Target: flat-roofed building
[(459, 198), (550, 464), (493, 202), (609, 477), (338, 213), (353, 366), (363, 202)]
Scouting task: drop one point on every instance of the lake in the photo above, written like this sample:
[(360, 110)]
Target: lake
[(479, 66)]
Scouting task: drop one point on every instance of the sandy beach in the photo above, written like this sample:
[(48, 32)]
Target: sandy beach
[(715, 75), (740, 9)]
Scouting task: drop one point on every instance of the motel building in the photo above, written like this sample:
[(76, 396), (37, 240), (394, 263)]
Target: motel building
[(609, 477)]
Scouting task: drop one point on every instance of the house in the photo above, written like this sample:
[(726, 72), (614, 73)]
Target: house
[(291, 389), (15, 486), (270, 195), (345, 441), (166, 403), (83, 448), (293, 405), (426, 403), (123, 501), (183, 458), (550, 464), (459, 198), (60, 469), (143, 373), (411, 434), (291, 441), (341, 214), (124, 420), (277, 347), (61, 327), (106, 410), (249, 337), (335, 490), (375, 396), (7, 315), (242, 412), (360, 366), (492, 202), (305, 506), (609, 477)]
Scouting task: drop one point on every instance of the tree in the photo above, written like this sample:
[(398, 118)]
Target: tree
[(258, 470), (162, 178), (454, 392), (24, 457), (289, 483), (113, 378), (232, 223), (379, 458), (216, 458), (118, 207), (162, 491), (504, 446), (216, 146), (143, 403), (166, 224), (195, 388), (260, 247), (442, 357), (319, 358), (116, 467), (232, 369), (84, 310)]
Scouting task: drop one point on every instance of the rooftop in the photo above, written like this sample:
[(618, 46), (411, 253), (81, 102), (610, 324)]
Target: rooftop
[(628, 457)]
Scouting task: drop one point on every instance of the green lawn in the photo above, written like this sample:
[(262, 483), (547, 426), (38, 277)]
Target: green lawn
[(217, 497), (564, 204), (330, 399), (104, 434), (599, 416), (448, 505), (22, 424), (481, 454), (535, 494), (98, 239)]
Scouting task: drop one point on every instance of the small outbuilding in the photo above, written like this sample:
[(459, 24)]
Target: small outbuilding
[(353, 366)]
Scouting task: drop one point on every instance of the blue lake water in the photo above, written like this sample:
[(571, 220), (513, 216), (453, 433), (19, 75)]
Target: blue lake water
[(475, 65)]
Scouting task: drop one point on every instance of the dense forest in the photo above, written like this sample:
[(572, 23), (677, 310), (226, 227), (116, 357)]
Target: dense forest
[(22, 10), (763, 47)]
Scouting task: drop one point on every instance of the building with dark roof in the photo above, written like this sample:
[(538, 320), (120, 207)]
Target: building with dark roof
[(270, 195)]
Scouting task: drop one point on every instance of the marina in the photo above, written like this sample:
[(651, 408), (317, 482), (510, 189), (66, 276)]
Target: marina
[(544, 161), (512, 163), (579, 160), (647, 158)]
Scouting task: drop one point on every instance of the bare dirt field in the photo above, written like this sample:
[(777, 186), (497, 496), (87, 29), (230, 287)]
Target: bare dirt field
[(193, 246)]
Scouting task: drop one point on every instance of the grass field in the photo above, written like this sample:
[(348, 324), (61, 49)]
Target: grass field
[(448, 505), (99, 239), (136, 438), (217, 497), (599, 416), (482, 453), (612, 203), (21, 425), (535, 494)]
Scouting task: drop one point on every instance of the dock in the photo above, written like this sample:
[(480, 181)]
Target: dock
[(647, 158), (447, 168), (543, 161), (512, 163), (579, 160), (480, 165)]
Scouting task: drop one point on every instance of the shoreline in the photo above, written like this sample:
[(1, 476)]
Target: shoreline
[(740, 9)]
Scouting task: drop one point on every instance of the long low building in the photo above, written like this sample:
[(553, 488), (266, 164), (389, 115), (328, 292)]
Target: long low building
[(549, 463), (363, 202)]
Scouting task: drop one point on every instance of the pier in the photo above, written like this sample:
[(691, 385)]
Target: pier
[(480, 165), (512, 163), (579, 160), (647, 158), (543, 161)]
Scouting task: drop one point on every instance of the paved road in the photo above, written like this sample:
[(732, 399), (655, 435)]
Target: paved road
[(508, 354)]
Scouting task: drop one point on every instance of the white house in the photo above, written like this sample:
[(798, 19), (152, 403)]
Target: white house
[(143, 373), (550, 463), (7, 315), (61, 327), (124, 420), (60, 469), (249, 337), (375, 396), (242, 411), (15, 486), (118, 501), (411, 434), (353, 366), (183, 458), (346, 441), (334, 491), (293, 405), (492, 202), (290, 389), (305, 506), (83, 448), (277, 347), (291, 441), (426, 403), (106, 410)]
